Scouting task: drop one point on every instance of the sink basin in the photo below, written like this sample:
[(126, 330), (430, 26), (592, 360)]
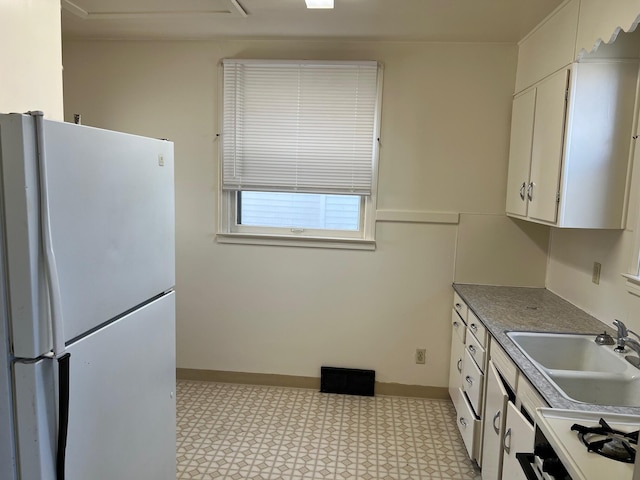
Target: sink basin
[(619, 390), (561, 351), (580, 369)]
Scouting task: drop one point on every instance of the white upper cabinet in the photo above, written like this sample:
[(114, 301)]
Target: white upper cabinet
[(571, 126), (549, 47), (578, 152)]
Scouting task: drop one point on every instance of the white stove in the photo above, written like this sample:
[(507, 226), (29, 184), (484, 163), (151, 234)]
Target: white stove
[(554, 426)]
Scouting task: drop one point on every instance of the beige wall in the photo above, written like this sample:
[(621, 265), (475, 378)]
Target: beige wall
[(445, 128), (31, 57)]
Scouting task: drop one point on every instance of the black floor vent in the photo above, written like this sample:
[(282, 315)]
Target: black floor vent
[(347, 380)]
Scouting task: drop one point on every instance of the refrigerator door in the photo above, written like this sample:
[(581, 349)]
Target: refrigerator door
[(112, 216), (121, 402)]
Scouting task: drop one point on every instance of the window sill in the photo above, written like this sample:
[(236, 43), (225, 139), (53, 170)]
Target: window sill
[(633, 284), (285, 241)]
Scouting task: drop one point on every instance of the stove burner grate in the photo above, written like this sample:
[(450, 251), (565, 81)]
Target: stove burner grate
[(608, 442)]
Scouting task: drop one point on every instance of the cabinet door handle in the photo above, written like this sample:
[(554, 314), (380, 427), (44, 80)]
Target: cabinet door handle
[(474, 327), (463, 422), (458, 306), (496, 417), (522, 189), (530, 192), (507, 446), (469, 380), (472, 349), (459, 365)]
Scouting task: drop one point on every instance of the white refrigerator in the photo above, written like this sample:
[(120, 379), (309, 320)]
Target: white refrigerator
[(87, 303)]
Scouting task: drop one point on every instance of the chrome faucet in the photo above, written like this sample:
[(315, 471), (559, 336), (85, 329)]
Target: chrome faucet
[(624, 340), (623, 333)]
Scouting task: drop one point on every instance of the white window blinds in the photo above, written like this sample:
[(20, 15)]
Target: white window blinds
[(299, 126)]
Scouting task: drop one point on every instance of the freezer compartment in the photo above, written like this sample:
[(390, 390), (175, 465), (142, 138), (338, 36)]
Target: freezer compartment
[(122, 402), (111, 201)]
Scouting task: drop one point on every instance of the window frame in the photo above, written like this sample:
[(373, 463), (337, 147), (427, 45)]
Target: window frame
[(228, 231)]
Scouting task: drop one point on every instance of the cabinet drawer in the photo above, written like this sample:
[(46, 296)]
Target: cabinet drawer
[(477, 351), (528, 396), (503, 363), (467, 423), (457, 326), (477, 328), (472, 382), (460, 307)]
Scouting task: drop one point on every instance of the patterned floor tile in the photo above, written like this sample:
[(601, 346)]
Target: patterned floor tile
[(242, 432)]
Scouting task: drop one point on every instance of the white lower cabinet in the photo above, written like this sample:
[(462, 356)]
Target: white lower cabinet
[(518, 437), (466, 374), (495, 415)]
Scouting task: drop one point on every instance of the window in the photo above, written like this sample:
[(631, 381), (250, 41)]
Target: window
[(299, 152)]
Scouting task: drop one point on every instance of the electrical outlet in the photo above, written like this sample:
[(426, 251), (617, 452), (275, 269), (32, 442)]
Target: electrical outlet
[(595, 276), (421, 356)]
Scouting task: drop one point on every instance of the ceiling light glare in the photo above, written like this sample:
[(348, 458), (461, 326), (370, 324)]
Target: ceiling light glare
[(319, 3)]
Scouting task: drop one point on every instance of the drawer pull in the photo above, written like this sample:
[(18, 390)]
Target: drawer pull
[(459, 365), (456, 324), (495, 418), (473, 327), (507, 446), (472, 349), (469, 380), (458, 306), (463, 422)]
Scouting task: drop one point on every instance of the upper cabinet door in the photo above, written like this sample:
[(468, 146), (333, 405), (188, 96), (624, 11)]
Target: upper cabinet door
[(520, 152), (550, 46), (547, 149)]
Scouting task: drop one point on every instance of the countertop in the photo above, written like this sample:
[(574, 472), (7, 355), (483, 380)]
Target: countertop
[(504, 309)]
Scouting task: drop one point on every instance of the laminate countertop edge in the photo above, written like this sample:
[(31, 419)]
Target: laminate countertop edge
[(505, 309)]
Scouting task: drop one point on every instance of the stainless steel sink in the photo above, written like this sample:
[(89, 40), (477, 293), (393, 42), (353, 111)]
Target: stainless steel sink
[(580, 369)]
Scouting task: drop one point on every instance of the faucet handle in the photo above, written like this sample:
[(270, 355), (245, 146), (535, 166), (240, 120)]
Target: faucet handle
[(633, 333)]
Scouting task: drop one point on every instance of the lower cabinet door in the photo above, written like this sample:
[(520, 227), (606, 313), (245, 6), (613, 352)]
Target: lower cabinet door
[(518, 438), (455, 366), (494, 422)]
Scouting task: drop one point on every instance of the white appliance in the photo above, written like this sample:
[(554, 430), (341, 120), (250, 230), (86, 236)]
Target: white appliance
[(86, 283), (556, 442)]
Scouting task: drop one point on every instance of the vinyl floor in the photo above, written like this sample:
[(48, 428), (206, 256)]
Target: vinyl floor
[(236, 432)]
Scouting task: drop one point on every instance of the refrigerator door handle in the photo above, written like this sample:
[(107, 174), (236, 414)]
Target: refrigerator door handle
[(55, 301), (53, 283)]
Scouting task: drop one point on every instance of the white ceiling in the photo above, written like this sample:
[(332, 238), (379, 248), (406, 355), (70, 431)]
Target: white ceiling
[(425, 20)]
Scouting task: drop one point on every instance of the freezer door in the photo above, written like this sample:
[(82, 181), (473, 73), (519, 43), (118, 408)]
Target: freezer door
[(121, 403), (112, 216)]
